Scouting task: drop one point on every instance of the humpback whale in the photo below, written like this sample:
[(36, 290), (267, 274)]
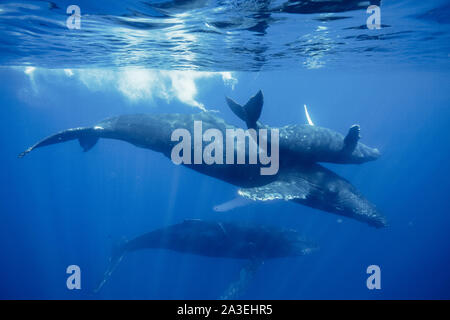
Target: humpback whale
[(218, 240), (307, 142), (299, 179)]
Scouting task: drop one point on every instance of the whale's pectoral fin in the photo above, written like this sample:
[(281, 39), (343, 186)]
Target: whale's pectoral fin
[(288, 186), (351, 139), (237, 288), (86, 136), (249, 113), (118, 252)]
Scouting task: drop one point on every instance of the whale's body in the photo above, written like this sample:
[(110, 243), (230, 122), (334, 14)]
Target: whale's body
[(299, 179), (154, 132), (317, 144), (222, 240), (217, 240)]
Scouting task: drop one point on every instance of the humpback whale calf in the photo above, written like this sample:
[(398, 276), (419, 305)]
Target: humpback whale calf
[(220, 240), (299, 178), (307, 142)]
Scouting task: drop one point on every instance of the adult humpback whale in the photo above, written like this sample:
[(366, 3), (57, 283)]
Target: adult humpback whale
[(218, 240), (299, 178)]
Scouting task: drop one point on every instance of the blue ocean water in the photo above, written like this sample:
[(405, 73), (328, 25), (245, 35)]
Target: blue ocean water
[(61, 206)]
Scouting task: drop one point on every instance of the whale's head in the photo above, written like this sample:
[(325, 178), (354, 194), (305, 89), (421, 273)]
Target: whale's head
[(329, 192), (363, 153), (352, 204)]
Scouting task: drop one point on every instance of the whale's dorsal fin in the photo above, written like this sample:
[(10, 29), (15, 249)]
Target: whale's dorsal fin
[(250, 112), (307, 116), (351, 139)]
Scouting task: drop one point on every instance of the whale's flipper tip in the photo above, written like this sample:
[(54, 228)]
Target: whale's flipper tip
[(24, 153), (251, 111), (232, 204)]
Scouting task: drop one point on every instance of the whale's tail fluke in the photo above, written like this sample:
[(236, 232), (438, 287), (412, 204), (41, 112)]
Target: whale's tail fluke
[(87, 136), (250, 112)]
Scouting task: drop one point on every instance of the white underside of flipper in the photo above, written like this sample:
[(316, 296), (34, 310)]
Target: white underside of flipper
[(232, 204), (307, 116)]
